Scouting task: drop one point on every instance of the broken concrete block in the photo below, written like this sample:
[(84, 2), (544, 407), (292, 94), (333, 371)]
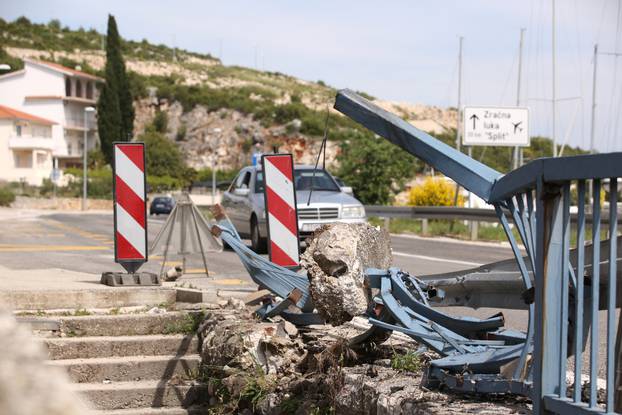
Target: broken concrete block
[(335, 260)]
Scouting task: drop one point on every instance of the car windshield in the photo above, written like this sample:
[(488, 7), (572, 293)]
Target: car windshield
[(164, 200), (304, 179)]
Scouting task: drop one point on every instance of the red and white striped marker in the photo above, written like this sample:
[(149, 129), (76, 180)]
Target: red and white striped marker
[(280, 199), (130, 207)]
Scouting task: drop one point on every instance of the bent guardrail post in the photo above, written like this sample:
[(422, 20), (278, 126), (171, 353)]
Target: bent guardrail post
[(467, 172), (282, 282)]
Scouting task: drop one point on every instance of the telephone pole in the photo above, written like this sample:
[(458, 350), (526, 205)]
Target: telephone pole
[(458, 125), (553, 102), (593, 126)]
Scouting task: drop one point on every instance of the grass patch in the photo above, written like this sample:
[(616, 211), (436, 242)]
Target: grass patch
[(79, 312), (256, 389), (454, 229), (188, 325), (407, 362)]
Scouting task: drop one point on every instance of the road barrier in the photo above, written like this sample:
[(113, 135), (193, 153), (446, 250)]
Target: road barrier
[(563, 294), (472, 215)]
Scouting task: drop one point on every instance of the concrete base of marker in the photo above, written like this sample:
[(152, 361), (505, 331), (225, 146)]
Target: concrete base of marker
[(121, 279)]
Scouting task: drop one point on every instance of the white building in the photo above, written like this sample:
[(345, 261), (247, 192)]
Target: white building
[(57, 94), (25, 147)]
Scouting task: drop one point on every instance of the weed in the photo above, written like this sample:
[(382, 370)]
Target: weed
[(290, 405), (410, 361), (167, 306), (115, 311), (257, 388), (71, 333), (189, 324), (79, 312), (321, 410)]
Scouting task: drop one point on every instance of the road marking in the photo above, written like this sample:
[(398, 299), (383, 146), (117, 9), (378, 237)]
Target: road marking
[(173, 263), (437, 259), (195, 271), (45, 248), (229, 281)]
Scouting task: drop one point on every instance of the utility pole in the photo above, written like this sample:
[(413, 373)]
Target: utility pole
[(553, 102), (458, 125), (518, 149), (593, 126)]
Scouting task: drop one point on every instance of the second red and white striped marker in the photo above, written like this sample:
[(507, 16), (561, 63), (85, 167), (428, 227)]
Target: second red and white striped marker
[(281, 212), (130, 206)]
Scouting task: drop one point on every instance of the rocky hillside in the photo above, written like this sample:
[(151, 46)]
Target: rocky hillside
[(214, 112)]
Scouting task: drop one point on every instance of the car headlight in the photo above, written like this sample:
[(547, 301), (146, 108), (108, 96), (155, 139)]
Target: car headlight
[(352, 212)]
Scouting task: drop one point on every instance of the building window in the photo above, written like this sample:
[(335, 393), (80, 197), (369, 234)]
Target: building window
[(78, 88), (89, 90), (42, 158), (23, 160), (67, 87), (18, 130)]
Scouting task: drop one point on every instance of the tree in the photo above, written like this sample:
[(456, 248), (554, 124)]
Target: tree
[(374, 168), (163, 156), (108, 114), (115, 109)]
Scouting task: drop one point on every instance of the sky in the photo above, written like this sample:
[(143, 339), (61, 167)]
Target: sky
[(403, 51)]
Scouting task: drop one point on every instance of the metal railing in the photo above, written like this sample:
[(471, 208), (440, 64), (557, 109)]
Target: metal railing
[(564, 289), (568, 291)]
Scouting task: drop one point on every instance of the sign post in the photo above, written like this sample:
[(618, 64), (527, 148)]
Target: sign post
[(281, 211), (495, 126), (130, 216)]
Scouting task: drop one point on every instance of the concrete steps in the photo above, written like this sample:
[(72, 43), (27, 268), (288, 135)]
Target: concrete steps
[(145, 394), (130, 363), (90, 296), (193, 410), (135, 368), (98, 346)]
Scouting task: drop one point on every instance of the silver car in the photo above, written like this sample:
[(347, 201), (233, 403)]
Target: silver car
[(245, 206)]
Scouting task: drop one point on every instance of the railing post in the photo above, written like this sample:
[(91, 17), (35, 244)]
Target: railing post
[(474, 230), (547, 299), (387, 224), (424, 226)]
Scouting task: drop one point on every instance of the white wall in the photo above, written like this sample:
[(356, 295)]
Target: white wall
[(39, 161), (37, 80)]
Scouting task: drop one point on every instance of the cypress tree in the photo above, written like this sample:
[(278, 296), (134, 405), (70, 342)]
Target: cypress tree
[(115, 111), (109, 115)]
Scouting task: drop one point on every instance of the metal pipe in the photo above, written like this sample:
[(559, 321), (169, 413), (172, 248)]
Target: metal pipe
[(595, 293)]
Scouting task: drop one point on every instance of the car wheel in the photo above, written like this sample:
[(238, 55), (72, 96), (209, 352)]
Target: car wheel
[(258, 244)]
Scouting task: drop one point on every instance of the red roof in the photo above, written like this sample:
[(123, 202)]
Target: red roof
[(65, 69), (13, 114)]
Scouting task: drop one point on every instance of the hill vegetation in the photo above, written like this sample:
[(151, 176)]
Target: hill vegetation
[(273, 99)]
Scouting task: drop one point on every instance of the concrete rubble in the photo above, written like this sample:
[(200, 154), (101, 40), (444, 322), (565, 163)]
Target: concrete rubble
[(335, 261), (268, 368)]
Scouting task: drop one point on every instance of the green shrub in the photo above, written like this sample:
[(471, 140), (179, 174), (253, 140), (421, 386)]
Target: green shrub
[(6, 196)]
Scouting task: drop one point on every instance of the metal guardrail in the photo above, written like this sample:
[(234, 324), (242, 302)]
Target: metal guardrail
[(457, 213)]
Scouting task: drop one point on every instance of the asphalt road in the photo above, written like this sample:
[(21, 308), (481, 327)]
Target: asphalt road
[(83, 243)]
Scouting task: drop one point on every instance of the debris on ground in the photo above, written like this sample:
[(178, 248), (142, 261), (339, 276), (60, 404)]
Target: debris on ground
[(336, 259), (275, 368)]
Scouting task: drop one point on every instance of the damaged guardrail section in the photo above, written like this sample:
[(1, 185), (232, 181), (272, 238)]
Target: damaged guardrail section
[(561, 309), (346, 272)]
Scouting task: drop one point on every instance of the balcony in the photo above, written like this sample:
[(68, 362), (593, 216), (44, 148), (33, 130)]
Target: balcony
[(31, 143)]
